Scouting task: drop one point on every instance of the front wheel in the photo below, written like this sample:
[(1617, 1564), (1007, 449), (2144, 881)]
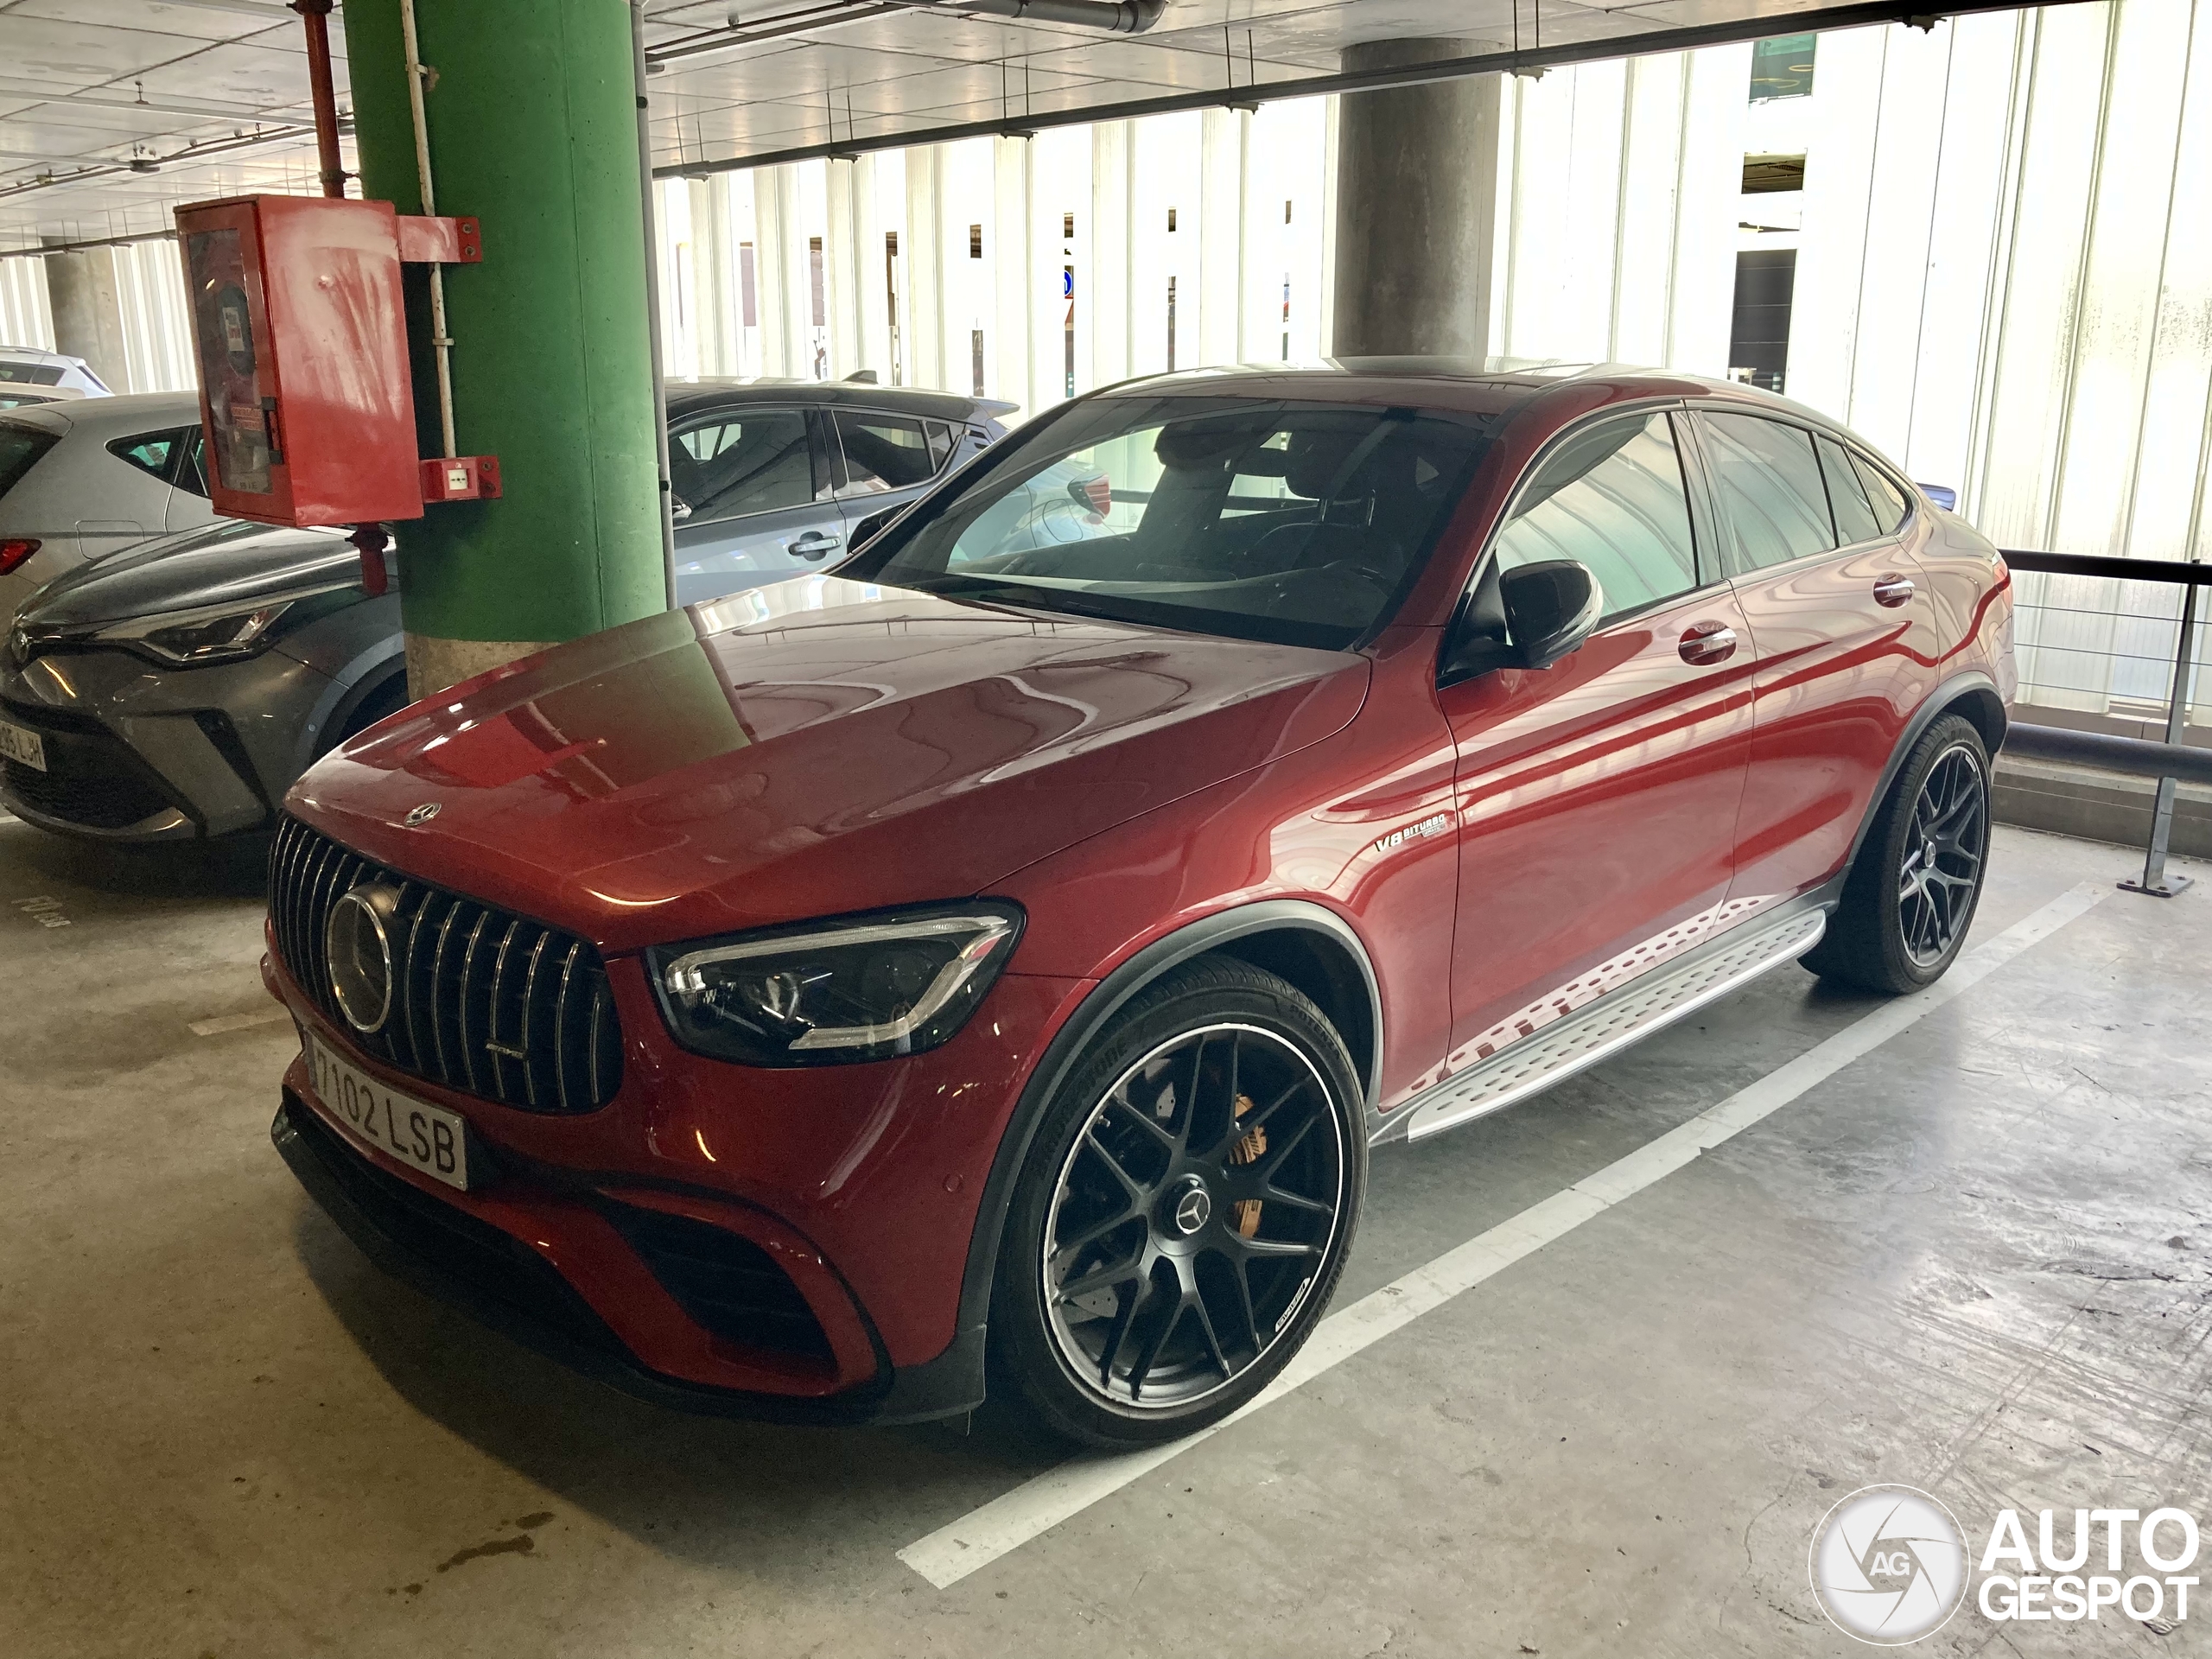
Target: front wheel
[(1912, 890), (1184, 1210)]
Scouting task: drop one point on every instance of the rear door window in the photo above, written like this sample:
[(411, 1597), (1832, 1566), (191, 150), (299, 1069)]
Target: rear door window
[(1610, 496), (740, 462), (883, 452), (1891, 503), (20, 447), (1768, 483), (1855, 514)]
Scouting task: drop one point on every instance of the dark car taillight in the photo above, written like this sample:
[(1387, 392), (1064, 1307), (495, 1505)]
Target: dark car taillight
[(14, 552)]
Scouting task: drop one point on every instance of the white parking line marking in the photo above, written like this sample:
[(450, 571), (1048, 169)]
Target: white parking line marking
[(222, 1023), (977, 1539)]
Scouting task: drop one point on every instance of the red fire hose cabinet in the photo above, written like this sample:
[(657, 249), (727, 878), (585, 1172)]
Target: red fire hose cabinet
[(297, 318)]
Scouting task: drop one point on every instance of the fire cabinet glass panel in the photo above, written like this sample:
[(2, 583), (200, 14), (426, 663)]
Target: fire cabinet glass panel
[(230, 366)]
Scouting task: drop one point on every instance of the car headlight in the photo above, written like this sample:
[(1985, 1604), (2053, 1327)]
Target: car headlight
[(831, 993), (189, 638)]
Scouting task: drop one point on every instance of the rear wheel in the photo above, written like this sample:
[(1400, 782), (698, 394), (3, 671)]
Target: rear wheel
[(1184, 1211), (1912, 892)]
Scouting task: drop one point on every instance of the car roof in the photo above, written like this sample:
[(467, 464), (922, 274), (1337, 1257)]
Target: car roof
[(37, 354), (105, 417), (1492, 386), (688, 395)]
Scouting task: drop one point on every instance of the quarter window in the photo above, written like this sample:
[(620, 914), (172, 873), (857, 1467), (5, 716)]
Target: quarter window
[(1890, 503), (149, 451), (1769, 489), (1855, 514), (883, 452), (755, 461), (1610, 496)]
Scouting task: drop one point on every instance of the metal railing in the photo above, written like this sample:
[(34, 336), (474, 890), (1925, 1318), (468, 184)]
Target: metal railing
[(2130, 677)]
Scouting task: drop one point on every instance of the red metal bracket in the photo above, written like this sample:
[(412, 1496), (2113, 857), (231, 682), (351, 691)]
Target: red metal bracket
[(463, 478), (426, 241)]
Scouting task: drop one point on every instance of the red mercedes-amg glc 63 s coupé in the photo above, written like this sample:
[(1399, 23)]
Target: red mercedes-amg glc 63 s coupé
[(993, 959)]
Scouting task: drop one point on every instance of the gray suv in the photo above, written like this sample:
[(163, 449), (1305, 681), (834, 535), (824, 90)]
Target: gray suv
[(83, 480), (174, 691)]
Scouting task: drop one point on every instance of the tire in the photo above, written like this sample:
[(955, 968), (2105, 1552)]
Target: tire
[(1219, 1088), (1911, 894)]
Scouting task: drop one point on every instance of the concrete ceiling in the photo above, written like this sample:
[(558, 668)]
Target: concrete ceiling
[(214, 92)]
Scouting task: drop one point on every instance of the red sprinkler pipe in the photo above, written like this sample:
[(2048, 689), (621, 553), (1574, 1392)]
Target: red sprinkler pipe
[(315, 14)]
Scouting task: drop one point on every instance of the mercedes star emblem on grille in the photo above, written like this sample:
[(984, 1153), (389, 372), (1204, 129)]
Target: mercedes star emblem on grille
[(417, 817), (357, 952)]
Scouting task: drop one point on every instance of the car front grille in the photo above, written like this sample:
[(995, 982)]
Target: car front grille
[(482, 1002), (91, 777)]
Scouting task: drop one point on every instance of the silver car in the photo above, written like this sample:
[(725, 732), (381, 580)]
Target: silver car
[(176, 691), (93, 477)]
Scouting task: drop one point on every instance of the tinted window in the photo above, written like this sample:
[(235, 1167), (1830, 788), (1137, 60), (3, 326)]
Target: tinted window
[(19, 446), (149, 451), (191, 472), (31, 374), (1890, 503), (1854, 515), (883, 452), (1299, 522), (1770, 488), (941, 438), (753, 461), (1610, 496)]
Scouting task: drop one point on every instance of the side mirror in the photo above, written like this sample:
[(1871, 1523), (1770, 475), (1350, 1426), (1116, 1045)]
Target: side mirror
[(1942, 495), (1550, 608), (678, 508), (1527, 617)]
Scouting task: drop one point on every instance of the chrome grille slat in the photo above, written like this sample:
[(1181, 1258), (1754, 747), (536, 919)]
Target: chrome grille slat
[(529, 999), (467, 981), (464, 976), (561, 1025)]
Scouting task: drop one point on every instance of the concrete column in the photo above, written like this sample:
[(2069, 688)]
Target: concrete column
[(1416, 196), (921, 323), (1102, 302), (533, 128), (80, 289), (1006, 347)]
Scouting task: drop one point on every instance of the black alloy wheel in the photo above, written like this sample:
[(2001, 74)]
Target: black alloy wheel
[(1911, 892), (1187, 1206), (1939, 875)]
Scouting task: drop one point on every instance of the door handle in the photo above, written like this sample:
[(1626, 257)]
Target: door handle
[(816, 545), (1893, 590), (1707, 643)]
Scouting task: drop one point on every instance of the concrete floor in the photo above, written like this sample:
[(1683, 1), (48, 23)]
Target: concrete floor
[(1978, 1260)]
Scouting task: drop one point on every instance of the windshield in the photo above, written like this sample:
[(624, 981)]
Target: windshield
[(1296, 522)]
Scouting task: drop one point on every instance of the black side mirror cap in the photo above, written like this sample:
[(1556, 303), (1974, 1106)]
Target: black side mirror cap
[(1550, 608)]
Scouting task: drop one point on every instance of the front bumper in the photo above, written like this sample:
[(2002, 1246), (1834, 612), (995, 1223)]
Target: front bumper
[(135, 754), (564, 1243)]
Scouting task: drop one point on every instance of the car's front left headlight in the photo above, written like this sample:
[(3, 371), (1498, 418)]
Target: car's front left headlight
[(831, 993), (206, 636)]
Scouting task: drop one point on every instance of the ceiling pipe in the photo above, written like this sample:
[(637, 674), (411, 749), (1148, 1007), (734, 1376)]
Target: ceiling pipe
[(1116, 17), (314, 18)]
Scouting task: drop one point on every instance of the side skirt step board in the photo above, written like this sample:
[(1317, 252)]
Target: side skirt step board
[(1578, 1040)]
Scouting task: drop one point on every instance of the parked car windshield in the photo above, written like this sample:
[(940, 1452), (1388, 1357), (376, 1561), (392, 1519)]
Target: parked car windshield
[(1294, 522)]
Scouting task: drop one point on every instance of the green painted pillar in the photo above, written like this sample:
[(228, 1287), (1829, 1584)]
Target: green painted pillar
[(532, 116)]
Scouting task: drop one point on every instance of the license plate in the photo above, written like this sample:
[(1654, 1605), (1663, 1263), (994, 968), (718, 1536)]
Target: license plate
[(24, 748), (419, 1134)]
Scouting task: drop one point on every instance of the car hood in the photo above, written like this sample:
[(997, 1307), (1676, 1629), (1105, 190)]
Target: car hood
[(811, 748), (216, 565)]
